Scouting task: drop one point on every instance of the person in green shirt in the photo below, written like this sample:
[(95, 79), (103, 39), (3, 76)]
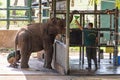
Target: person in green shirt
[(13, 57), (90, 40)]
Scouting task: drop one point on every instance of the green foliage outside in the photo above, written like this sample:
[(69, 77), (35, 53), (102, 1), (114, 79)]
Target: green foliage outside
[(20, 13), (2, 16), (117, 3), (0, 3), (17, 13)]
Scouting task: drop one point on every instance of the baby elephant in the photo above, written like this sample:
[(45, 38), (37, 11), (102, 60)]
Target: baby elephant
[(36, 37), (13, 57)]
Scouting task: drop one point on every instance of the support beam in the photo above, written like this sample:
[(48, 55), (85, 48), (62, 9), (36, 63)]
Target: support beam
[(40, 11), (54, 8), (116, 16), (67, 35)]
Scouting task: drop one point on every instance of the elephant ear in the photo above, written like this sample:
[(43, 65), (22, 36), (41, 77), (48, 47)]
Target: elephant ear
[(56, 25), (52, 26), (57, 22), (53, 21)]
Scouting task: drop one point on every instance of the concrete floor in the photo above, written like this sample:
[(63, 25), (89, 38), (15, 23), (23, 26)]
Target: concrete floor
[(105, 67), (59, 78), (37, 72)]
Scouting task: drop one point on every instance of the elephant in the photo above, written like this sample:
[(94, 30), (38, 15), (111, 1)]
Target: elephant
[(39, 36)]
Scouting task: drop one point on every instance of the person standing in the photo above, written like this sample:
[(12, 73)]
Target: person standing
[(90, 40)]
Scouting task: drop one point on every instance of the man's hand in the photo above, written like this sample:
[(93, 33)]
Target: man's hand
[(80, 27)]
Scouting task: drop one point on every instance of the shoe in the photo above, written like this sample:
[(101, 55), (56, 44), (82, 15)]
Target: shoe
[(11, 65), (96, 69), (89, 69), (14, 65)]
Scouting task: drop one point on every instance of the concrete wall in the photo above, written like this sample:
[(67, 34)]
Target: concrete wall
[(7, 38)]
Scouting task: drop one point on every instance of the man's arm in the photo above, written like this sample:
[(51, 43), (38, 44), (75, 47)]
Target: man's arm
[(80, 27)]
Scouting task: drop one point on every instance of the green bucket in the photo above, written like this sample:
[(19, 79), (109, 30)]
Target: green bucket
[(76, 17)]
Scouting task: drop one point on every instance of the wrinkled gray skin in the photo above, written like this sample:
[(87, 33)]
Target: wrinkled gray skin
[(39, 36)]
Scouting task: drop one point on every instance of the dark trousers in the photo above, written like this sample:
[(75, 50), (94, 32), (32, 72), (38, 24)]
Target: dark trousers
[(91, 54)]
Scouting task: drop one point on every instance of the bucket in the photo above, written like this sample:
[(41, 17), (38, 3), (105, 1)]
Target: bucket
[(118, 60)]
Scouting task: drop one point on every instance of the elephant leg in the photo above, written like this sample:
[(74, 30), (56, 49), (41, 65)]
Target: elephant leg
[(48, 57), (24, 59)]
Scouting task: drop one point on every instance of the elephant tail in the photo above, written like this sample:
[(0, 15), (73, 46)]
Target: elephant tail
[(16, 42)]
